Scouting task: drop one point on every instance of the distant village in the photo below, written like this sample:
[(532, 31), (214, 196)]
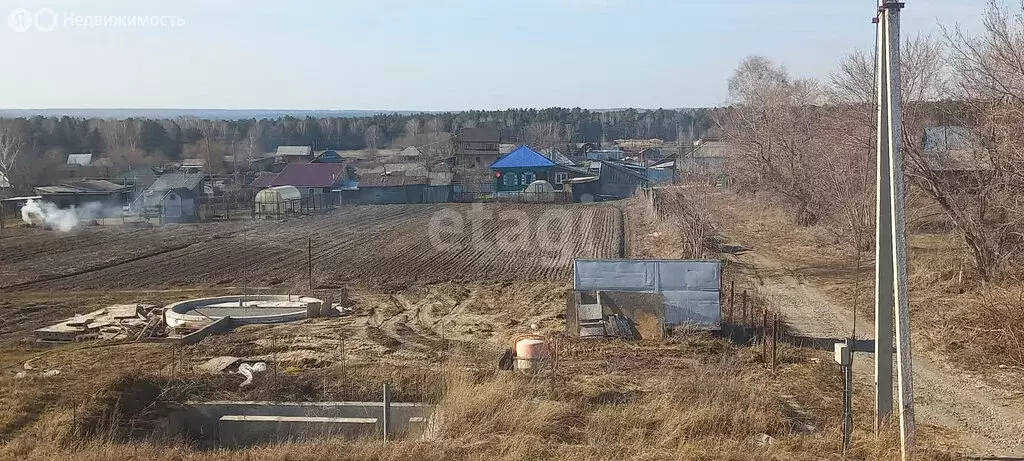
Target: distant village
[(301, 179)]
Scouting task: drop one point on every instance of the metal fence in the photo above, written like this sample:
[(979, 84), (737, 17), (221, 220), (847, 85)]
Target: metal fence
[(691, 288)]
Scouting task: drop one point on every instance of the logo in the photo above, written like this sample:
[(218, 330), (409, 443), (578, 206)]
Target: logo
[(20, 20), (47, 20), (23, 20)]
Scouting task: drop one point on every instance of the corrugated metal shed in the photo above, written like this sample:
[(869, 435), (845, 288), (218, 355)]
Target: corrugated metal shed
[(691, 287)]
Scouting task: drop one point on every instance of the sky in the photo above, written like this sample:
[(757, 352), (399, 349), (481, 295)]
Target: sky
[(423, 54)]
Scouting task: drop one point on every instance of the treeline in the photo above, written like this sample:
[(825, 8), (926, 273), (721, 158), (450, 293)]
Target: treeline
[(39, 143)]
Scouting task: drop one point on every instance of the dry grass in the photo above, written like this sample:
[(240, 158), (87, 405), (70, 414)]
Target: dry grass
[(693, 397)]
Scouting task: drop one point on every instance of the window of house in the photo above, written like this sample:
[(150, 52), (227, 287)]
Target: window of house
[(561, 178), (311, 192), (529, 177), (510, 179)]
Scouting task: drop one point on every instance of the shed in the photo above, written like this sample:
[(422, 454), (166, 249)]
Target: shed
[(377, 188), (174, 196), (643, 298), (78, 193), (279, 200)]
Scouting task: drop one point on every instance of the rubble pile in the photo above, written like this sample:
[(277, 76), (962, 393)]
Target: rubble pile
[(120, 321)]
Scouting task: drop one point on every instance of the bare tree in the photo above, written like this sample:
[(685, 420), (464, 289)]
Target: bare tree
[(252, 140), (10, 147), (774, 124), (983, 192)]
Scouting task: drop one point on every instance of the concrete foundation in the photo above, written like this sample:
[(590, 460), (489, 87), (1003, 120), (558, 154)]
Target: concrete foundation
[(270, 421), (195, 314), (239, 431)]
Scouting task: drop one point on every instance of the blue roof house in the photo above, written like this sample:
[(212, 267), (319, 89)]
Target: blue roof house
[(517, 169)]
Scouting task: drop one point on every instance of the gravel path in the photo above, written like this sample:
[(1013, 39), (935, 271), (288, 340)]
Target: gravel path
[(990, 423)]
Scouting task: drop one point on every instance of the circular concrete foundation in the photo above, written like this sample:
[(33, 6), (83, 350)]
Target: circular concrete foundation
[(248, 309)]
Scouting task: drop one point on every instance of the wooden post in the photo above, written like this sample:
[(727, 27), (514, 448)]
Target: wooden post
[(732, 298), (387, 412), (744, 307), (764, 335), (309, 264), (775, 341)]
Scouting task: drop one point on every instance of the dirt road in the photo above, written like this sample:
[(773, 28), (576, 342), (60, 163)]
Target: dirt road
[(989, 421)]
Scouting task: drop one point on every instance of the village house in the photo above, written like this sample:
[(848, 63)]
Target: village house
[(478, 148), (706, 160), (522, 166), (318, 183), (614, 180), (956, 156)]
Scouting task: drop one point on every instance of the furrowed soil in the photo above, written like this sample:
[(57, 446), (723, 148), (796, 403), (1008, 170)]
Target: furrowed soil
[(435, 294), (372, 245)]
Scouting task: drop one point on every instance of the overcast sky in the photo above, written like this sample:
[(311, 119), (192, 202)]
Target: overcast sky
[(423, 54)]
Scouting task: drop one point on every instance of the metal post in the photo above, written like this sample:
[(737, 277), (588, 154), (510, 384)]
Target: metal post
[(387, 412)]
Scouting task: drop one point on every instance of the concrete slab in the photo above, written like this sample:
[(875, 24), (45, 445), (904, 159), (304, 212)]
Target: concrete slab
[(242, 430), (201, 419)]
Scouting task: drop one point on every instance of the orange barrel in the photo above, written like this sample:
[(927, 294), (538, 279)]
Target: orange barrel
[(530, 349)]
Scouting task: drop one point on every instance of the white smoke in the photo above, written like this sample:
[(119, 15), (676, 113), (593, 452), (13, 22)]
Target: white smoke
[(48, 215)]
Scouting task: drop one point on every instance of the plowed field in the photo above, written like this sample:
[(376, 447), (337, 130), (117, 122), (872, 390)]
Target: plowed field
[(371, 245)]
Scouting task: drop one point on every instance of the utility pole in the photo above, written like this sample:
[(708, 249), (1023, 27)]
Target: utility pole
[(891, 235)]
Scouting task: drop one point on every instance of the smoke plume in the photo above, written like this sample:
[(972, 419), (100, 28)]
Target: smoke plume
[(48, 215)]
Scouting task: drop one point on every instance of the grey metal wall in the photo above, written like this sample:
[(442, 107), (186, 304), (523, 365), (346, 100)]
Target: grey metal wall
[(691, 287)]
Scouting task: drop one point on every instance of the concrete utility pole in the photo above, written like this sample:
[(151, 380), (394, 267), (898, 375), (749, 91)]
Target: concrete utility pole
[(891, 234)]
